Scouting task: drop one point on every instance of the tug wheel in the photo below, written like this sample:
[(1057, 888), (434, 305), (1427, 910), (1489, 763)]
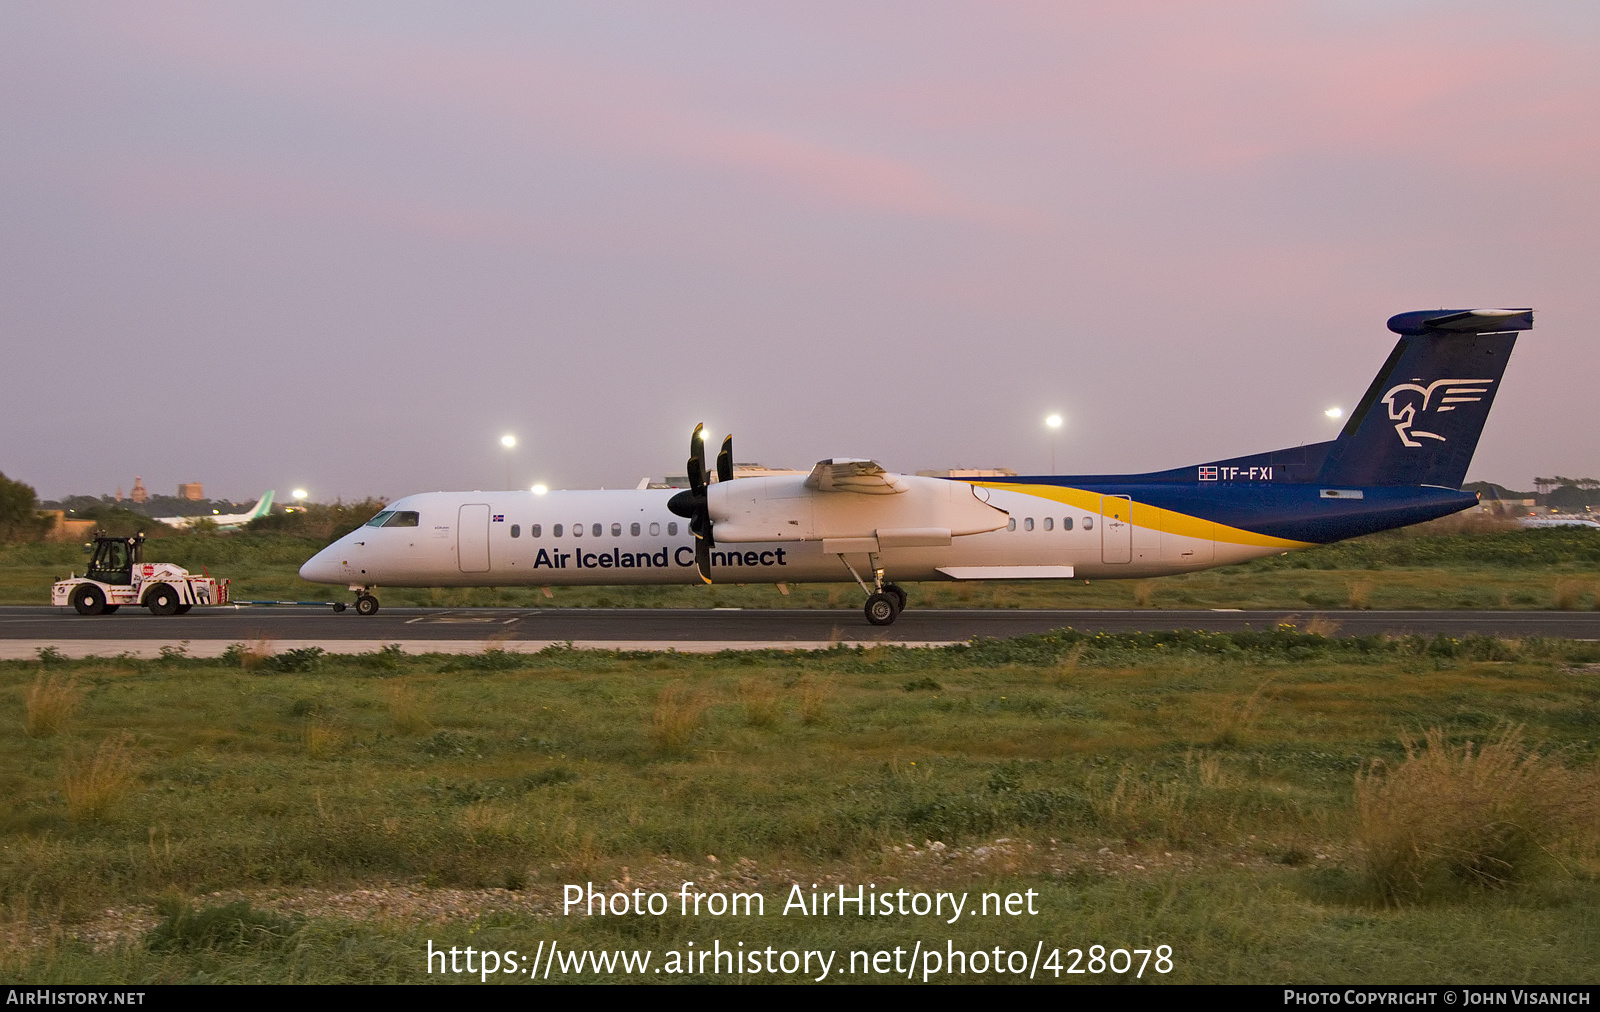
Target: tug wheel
[(162, 600), (89, 600)]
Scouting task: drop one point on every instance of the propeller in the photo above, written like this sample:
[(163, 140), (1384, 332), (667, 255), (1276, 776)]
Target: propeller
[(693, 502)]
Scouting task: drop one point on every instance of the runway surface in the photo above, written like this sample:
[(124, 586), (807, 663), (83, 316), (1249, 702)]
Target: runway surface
[(23, 630)]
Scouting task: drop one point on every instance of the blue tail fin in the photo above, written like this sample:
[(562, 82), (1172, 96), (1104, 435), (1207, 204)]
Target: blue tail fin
[(1419, 421)]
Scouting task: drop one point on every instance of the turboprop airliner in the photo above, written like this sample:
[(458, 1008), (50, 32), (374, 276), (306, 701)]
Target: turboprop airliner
[(1400, 459)]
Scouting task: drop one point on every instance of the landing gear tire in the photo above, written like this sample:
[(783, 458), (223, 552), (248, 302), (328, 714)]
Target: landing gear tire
[(882, 608), (338, 606), (899, 594), (366, 604), (162, 600), (183, 609), (89, 600)]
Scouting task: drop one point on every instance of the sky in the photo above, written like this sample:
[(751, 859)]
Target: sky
[(348, 247)]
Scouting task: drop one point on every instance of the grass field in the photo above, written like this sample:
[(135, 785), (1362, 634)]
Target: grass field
[(1248, 800), (1429, 567)]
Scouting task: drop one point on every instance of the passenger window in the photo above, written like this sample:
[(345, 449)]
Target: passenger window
[(1027, 524), (597, 530), (534, 531), (404, 518), (634, 530), (1049, 523), (672, 527), (616, 530), (1066, 523), (1011, 524), (378, 520), (556, 531), (516, 530), (577, 530), (1088, 523), (655, 529)]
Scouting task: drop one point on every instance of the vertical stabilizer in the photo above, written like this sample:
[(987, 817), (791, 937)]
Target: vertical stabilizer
[(1420, 420)]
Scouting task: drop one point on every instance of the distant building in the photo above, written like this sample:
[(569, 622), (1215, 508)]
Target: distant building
[(139, 493), (191, 490)]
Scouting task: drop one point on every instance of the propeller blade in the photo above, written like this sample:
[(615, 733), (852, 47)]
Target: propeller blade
[(702, 557), (725, 460), (697, 459)]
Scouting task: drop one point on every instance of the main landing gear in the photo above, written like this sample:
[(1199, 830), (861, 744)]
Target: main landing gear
[(885, 601), (366, 604)]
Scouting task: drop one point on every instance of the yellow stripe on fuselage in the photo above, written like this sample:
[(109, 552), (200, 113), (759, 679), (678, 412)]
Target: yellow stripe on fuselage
[(1153, 517)]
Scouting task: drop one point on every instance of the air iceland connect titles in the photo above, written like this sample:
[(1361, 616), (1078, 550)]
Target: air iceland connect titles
[(682, 556)]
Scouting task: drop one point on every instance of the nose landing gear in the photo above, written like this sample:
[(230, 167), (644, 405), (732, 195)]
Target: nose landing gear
[(366, 604)]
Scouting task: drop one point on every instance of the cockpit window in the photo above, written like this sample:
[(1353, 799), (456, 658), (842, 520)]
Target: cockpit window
[(378, 520), (403, 518)]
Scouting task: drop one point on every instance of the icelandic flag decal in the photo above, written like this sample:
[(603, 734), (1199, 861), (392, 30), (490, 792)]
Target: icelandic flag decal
[(499, 518), (1208, 474)]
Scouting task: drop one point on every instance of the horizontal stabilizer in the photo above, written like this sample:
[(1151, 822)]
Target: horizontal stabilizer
[(1461, 321)]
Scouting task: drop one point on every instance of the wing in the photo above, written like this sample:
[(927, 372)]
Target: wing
[(845, 474)]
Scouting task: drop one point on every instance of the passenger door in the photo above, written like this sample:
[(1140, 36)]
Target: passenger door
[(472, 538), (1116, 528)]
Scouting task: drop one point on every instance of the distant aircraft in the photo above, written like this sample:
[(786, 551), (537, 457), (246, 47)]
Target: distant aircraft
[(225, 521), (1558, 521), (1399, 460)]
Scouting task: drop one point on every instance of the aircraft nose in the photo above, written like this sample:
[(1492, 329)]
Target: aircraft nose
[(323, 567)]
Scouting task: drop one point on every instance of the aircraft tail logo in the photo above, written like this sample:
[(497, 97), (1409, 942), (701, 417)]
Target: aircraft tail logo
[(1407, 402)]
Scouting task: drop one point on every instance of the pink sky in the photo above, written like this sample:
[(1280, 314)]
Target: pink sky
[(360, 243)]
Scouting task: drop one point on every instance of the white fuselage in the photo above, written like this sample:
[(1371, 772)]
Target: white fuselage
[(519, 538)]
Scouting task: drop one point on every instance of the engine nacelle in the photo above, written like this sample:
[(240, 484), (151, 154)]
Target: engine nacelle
[(921, 512)]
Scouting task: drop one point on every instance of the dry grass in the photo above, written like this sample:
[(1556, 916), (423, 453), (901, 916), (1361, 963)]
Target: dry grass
[(814, 701), (1067, 665), (679, 714), (1144, 592), (48, 706), (93, 784), (1133, 806), (408, 709), (1232, 733), (1322, 626), (1569, 594), (255, 653), (1488, 815), (1360, 595), (761, 704), (320, 739)]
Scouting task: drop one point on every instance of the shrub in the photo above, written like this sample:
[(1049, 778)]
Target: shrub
[(299, 660), (1484, 816)]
